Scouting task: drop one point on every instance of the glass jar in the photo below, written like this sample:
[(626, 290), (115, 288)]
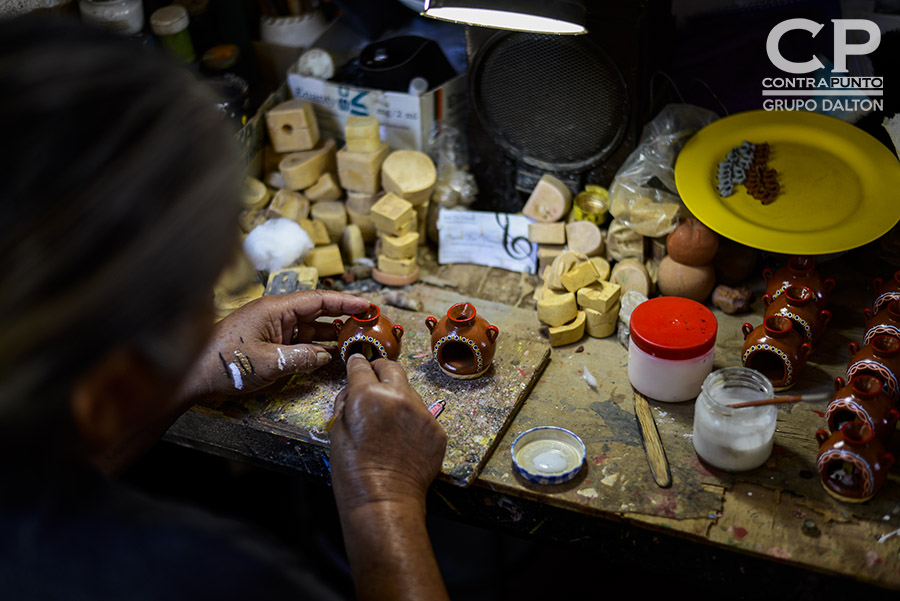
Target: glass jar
[(734, 440), (671, 347), (170, 25), (122, 16)]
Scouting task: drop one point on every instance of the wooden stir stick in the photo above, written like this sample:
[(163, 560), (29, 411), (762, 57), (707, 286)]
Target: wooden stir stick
[(653, 448), (788, 398)]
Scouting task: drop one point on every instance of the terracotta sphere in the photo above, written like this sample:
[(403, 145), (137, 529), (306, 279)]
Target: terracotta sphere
[(692, 243), (689, 281)]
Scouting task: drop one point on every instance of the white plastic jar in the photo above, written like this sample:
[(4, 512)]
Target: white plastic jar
[(671, 348), (734, 440)]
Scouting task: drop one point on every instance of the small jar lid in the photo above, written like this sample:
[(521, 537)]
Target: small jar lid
[(675, 328), (548, 454), (169, 20)]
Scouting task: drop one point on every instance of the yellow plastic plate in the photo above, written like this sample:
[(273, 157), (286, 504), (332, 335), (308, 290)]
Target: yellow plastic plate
[(840, 187)]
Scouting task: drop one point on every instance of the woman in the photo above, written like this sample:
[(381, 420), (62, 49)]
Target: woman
[(118, 204)]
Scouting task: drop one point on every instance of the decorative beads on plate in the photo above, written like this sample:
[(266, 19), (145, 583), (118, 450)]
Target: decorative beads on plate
[(746, 164)]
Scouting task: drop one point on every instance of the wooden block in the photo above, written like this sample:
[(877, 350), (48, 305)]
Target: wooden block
[(600, 296), (547, 233), (291, 279), (556, 308), (333, 214), (562, 265), (400, 247), (352, 243), (317, 231), (549, 201), (303, 169), (409, 174), (289, 205), (602, 267), (361, 171), (325, 188), (326, 260), (569, 332), (392, 215), (585, 237), (256, 194), (579, 276), (292, 126), (600, 325), (250, 219), (402, 267), (546, 254), (365, 224)]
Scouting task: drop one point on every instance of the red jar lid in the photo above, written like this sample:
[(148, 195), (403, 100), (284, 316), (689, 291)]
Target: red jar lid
[(671, 327)]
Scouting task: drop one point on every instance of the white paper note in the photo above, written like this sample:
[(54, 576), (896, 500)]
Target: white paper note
[(492, 239)]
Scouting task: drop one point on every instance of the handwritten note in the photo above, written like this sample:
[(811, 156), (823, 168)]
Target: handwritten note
[(491, 239)]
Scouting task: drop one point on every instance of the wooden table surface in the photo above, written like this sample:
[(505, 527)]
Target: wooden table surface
[(778, 514)]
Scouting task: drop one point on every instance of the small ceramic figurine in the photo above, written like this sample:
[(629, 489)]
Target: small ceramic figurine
[(852, 462), (887, 321), (880, 358), (862, 399), (797, 302), (886, 291), (370, 333), (463, 343), (776, 350), (799, 270)]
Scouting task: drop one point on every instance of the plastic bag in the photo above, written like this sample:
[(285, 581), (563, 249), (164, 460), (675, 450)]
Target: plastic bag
[(643, 195)]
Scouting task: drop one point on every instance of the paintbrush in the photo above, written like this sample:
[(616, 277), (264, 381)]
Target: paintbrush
[(790, 398)]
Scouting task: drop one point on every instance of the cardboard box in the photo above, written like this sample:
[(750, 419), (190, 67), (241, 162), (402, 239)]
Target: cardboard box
[(407, 121)]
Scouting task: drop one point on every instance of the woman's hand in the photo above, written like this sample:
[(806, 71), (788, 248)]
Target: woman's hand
[(266, 340)]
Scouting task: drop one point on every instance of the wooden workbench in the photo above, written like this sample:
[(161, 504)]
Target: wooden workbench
[(775, 520)]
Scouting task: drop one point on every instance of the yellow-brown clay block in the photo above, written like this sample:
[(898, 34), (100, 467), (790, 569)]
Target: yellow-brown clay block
[(256, 194), (392, 215), (600, 296), (409, 174), (316, 230), (292, 279), (325, 188), (568, 333), (400, 247), (601, 325), (289, 205), (396, 266), (602, 266), (301, 170), (361, 171), (333, 214), (556, 308), (292, 126), (547, 233), (352, 243), (326, 260), (362, 134), (579, 276), (549, 201)]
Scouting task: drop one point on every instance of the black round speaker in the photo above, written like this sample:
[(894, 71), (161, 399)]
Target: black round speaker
[(555, 103)]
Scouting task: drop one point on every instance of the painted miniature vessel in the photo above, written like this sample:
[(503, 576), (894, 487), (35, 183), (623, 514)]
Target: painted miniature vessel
[(776, 350), (797, 302), (852, 462), (886, 321), (463, 342), (862, 399), (369, 333), (799, 270), (880, 358), (886, 291)]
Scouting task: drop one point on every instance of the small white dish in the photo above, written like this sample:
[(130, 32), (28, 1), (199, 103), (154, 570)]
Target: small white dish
[(548, 454)]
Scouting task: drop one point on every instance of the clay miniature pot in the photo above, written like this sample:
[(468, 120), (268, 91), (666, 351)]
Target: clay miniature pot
[(797, 302), (852, 462), (886, 291), (463, 343), (775, 349), (799, 270), (880, 358), (862, 399), (886, 321), (370, 333)]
